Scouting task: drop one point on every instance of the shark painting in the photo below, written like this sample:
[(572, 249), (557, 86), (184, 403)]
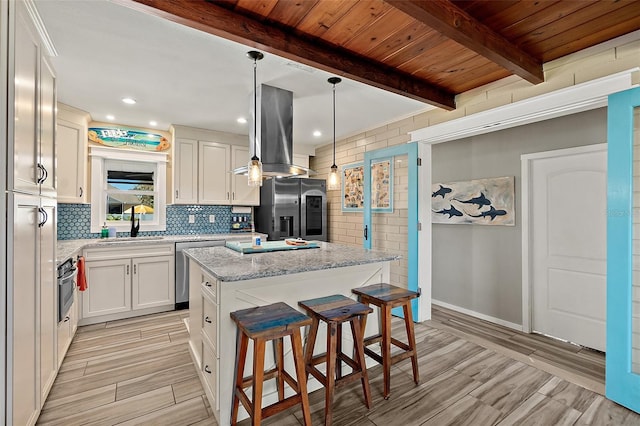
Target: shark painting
[(489, 201)]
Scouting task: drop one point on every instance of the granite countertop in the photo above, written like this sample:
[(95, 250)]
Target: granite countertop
[(228, 265), (68, 248)]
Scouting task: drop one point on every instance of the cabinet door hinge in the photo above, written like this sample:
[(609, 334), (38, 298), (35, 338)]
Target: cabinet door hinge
[(419, 161)]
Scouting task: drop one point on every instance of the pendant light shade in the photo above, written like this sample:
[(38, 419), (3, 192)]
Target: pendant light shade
[(255, 166), (333, 181)]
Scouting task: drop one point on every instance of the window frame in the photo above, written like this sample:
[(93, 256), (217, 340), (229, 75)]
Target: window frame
[(99, 159)]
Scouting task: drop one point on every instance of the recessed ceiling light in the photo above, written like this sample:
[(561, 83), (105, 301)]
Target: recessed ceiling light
[(242, 120), (129, 101), (110, 117), (153, 123), (317, 133)]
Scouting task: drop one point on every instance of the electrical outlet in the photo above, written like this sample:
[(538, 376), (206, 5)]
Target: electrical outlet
[(192, 218), (212, 218)]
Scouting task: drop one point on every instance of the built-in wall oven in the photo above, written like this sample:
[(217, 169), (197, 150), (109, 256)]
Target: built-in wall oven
[(67, 273)]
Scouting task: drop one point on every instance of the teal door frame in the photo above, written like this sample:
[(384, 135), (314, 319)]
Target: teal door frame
[(621, 384), (411, 150)]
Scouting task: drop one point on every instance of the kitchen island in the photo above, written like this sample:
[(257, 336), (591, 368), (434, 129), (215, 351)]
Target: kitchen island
[(223, 281)]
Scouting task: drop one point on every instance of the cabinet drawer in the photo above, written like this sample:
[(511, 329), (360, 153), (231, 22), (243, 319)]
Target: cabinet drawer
[(210, 321), (210, 287), (210, 373)]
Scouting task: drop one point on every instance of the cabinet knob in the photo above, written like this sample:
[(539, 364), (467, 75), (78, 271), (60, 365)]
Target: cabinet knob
[(81, 192), (207, 320), (176, 193), (207, 283), (66, 319), (206, 369)]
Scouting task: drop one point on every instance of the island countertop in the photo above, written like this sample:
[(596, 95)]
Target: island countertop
[(228, 265)]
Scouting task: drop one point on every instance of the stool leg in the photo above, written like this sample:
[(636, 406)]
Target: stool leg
[(311, 341), (301, 376), (258, 379), (241, 357), (332, 337), (358, 339), (408, 321), (386, 349), (338, 352), (279, 358)]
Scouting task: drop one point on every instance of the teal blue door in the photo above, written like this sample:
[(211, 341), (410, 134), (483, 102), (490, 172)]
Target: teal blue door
[(623, 250), (391, 211)]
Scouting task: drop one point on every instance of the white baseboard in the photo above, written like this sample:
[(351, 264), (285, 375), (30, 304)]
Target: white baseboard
[(477, 315)]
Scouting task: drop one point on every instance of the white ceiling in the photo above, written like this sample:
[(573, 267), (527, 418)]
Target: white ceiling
[(179, 75)]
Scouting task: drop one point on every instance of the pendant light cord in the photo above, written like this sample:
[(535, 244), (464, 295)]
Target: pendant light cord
[(334, 124), (255, 110)]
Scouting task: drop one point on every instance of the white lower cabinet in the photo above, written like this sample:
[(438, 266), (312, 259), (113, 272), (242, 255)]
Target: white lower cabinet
[(109, 291), (203, 329), (67, 329), (117, 285)]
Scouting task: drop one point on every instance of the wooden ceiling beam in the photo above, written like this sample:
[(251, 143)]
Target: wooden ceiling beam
[(208, 17), (456, 24)]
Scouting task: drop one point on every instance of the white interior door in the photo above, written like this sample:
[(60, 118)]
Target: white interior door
[(568, 245)]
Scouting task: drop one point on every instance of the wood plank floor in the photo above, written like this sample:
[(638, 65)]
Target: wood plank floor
[(138, 372)]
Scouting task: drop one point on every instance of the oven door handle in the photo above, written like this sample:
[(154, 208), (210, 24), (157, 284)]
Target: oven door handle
[(70, 274)]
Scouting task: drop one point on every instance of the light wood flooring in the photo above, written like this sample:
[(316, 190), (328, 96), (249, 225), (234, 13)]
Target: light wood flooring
[(138, 372)]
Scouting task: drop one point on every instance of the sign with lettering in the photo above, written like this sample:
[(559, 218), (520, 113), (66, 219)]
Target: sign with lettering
[(117, 137)]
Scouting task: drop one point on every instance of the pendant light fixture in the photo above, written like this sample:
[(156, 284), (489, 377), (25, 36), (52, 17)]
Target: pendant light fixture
[(333, 182), (255, 166)]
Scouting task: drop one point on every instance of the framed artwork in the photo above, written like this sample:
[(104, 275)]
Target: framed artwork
[(352, 187), (381, 187), (478, 202)]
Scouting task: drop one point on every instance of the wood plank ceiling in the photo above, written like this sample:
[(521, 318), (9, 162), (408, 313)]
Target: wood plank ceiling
[(430, 50)]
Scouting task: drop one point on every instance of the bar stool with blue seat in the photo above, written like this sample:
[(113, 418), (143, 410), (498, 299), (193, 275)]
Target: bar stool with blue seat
[(386, 297), (263, 324), (335, 310)]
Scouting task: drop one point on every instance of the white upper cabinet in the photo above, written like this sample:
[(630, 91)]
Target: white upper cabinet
[(203, 170), (26, 173), (71, 144), (185, 172), (33, 119), (47, 152), (241, 193), (213, 173)]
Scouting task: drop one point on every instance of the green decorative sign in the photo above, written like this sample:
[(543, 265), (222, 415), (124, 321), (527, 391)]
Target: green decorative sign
[(125, 138)]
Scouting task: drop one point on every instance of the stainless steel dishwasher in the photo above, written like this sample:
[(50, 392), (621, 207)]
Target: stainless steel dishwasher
[(182, 269)]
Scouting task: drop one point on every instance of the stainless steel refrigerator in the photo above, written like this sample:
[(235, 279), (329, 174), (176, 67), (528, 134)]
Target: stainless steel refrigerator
[(292, 208)]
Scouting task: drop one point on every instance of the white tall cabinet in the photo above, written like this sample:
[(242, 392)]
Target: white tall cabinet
[(30, 350)]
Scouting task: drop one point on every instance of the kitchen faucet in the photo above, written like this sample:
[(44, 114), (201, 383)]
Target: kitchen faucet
[(134, 228)]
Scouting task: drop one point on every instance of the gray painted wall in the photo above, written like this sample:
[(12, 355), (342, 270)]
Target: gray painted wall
[(479, 267)]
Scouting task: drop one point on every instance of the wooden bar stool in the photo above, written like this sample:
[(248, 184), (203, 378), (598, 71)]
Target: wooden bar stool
[(386, 297), (334, 310), (262, 324)]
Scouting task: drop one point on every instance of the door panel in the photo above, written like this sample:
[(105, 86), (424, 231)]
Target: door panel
[(568, 198), (623, 272), (391, 212), (48, 186), (109, 287)]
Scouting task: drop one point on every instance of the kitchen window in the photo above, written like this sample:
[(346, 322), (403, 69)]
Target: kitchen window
[(126, 183)]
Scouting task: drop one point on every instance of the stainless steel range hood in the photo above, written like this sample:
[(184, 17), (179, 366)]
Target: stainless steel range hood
[(274, 133)]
